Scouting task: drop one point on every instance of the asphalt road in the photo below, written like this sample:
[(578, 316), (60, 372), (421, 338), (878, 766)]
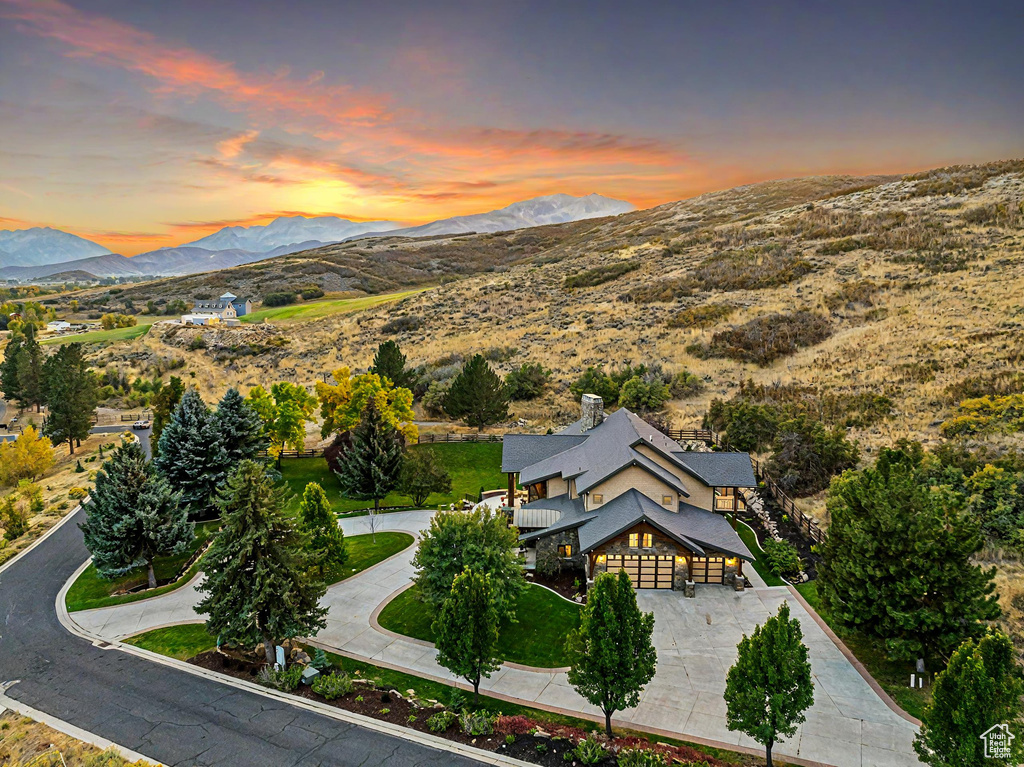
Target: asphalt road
[(162, 712), (143, 435)]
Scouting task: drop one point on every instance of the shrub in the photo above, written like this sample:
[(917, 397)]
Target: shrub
[(311, 293), (782, 556), (643, 396), (527, 382), (197, 343), (596, 381), (77, 493), (513, 725), (434, 397), (405, 324), (807, 455), (475, 724), (441, 721), (765, 339), (987, 415), (590, 751), (702, 316), (685, 384), (331, 686), (13, 518), (599, 275), (751, 269), (286, 681), (639, 757), (663, 291), (279, 299)]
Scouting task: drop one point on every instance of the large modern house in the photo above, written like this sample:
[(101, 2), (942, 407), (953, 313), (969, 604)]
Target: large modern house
[(227, 309), (611, 493)]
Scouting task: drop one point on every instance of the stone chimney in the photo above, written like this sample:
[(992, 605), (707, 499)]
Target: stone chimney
[(592, 408)]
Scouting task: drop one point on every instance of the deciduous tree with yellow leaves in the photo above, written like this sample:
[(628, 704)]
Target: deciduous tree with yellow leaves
[(343, 403)]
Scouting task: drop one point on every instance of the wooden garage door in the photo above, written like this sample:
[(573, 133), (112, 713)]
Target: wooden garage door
[(645, 572), (708, 570)]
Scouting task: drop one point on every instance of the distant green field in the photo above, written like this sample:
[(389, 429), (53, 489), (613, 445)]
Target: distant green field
[(314, 310), (104, 336), (471, 465)]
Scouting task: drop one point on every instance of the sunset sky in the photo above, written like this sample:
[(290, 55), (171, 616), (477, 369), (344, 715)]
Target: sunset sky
[(140, 124)]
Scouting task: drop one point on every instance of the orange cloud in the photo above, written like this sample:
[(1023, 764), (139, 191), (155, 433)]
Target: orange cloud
[(232, 147)]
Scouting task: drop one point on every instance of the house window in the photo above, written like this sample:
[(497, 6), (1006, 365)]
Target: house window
[(666, 500), (598, 499), (648, 540), (634, 540), (564, 550)]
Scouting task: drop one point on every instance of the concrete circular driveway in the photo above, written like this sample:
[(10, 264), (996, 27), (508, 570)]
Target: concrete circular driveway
[(849, 725)]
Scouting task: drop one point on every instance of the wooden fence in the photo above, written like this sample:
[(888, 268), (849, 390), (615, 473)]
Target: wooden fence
[(429, 439), (804, 523), (699, 435)]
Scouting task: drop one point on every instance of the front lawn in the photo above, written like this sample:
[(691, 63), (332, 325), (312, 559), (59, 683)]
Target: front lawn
[(103, 336), (181, 642), (472, 465), (363, 552), (91, 590), (536, 639), (893, 676), (749, 539), (315, 310)]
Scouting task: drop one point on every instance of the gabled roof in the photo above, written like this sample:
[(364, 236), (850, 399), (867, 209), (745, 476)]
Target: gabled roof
[(521, 450), (696, 529), (211, 305), (719, 469)]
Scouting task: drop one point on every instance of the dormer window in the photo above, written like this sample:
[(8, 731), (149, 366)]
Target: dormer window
[(597, 498)]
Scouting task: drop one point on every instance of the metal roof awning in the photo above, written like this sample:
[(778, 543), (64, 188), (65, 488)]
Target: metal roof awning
[(535, 518)]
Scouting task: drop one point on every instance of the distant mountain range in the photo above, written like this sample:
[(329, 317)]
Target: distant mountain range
[(32, 254)]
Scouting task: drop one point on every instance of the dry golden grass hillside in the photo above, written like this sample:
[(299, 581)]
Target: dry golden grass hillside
[(917, 279)]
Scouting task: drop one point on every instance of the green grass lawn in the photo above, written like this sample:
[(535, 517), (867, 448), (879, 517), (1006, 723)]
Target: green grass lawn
[(104, 336), (537, 639), (472, 465), (314, 310), (893, 676), (181, 642), (90, 590), (750, 540), (363, 552)]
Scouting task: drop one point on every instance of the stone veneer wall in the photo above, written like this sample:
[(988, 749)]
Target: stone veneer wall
[(548, 560)]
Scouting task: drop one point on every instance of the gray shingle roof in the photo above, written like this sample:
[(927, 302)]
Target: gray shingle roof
[(696, 529), (521, 450), (720, 469)]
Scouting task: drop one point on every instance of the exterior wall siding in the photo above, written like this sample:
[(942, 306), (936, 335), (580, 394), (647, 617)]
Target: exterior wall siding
[(636, 478), (701, 495), (557, 486)]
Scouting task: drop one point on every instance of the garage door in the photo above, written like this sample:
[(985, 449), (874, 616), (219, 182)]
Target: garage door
[(708, 570), (645, 572)]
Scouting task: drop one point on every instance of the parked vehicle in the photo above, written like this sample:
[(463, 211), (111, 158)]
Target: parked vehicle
[(141, 425)]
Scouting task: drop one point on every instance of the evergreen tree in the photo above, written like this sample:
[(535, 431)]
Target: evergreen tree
[(769, 687), (477, 395), (389, 362), (192, 456), (239, 426), (613, 655), (165, 399), (9, 371), (326, 539), (897, 561), (71, 396), (423, 474), (257, 587), (371, 466), (133, 516), (979, 689), (478, 540), (29, 364), (466, 630)]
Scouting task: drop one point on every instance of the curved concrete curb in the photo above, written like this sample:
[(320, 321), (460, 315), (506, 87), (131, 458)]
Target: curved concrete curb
[(75, 732), (375, 624), (394, 730), (893, 705)]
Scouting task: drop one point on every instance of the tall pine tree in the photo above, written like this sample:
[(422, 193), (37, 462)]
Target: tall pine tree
[(326, 539), (897, 561), (613, 655), (71, 396), (192, 455), (133, 516), (477, 395), (240, 427), (769, 687), (29, 364), (371, 467), (389, 362), (9, 371), (257, 587)]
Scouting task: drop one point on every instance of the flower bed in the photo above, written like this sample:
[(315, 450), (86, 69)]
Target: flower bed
[(517, 736)]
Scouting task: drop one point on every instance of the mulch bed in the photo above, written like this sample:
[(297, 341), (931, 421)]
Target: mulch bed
[(564, 581), (395, 706)]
